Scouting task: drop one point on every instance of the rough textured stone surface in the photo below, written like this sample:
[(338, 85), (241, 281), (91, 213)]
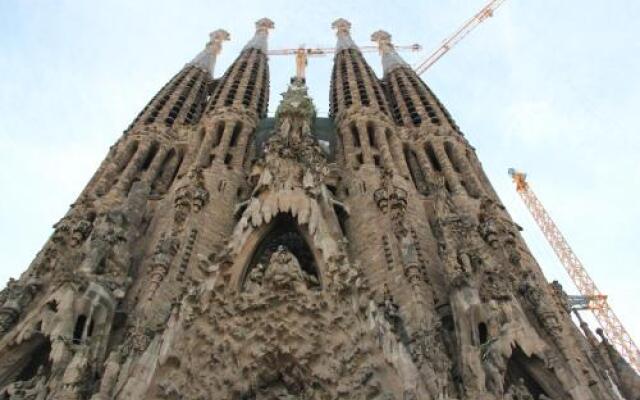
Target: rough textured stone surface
[(202, 263)]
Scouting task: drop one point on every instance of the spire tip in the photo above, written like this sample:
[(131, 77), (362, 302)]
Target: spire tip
[(219, 35), (264, 24), (341, 25), (381, 37)]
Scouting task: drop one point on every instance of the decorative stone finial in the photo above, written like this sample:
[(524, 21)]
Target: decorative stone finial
[(390, 58), (259, 40), (216, 38), (383, 38), (342, 26), (264, 24), (206, 59), (343, 31)]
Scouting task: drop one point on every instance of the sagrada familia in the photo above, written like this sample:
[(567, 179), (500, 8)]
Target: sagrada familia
[(221, 254)]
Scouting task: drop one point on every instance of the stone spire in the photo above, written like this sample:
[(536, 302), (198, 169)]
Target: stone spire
[(259, 40), (390, 57), (206, 59), (343, 31)]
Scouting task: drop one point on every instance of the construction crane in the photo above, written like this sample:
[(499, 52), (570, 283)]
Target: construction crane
[(486, 12), (302, 54), (591, 297)]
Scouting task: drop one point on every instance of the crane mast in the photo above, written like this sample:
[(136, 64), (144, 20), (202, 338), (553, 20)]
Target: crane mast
[(596, 301), (457, 36)]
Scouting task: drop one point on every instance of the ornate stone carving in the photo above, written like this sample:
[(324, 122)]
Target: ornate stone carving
[(392, 200), (498, 231), (17, 295), (105, 254), (192, 195), (518, 391), (284, 272), (163, 255), (561, 296), (542, 307), (109, 379), (32, 389)]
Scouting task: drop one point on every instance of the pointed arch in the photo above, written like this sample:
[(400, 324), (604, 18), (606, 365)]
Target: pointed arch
[(22, 362), (537, 378), (283, 230)]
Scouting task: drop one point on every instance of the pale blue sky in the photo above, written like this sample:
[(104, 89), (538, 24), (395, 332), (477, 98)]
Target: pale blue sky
[(547, 86)]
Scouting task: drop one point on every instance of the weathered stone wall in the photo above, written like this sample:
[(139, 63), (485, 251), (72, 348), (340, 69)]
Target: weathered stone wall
[(196, 266)]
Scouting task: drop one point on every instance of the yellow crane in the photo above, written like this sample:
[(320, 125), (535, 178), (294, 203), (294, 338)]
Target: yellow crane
[(486, 12), (302, 54), (591, 297)]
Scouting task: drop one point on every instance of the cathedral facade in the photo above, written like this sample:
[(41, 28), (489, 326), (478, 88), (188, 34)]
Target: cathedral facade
[(221, 254)]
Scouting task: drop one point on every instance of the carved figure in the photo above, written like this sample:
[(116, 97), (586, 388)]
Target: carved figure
[(518, 391), (110, 375), (16, 297), (255, 278), (495, 367), (105, 254), (284, 271)]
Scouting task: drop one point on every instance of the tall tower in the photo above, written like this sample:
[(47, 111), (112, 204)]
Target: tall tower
[(221, 254)]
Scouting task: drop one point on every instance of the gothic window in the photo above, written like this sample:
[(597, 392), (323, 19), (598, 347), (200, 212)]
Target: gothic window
[(184, 94), (82, 330), (417, 175), (167, 91), (235, 134), (372, 136), (483, 333), (127, 156), (360, 82), (199, 100), (231, 94), (285, 234), (422, 94), (253, 78), (346, 91), (395, 108), (342, 216), (355, 135), (431, 155), (153, 150), (376, 160), (218, 134), (377, 89), (448, 148), (169, 170), (408, 102), (263, 99)]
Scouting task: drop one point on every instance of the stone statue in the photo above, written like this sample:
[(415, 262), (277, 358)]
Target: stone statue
[(103, 254), (518, 391), (16, 296), (255, 278), (495, 367), (110, 375), (284, 271)]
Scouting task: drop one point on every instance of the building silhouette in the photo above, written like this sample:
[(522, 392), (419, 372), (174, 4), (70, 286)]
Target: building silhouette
[(221, 254)]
